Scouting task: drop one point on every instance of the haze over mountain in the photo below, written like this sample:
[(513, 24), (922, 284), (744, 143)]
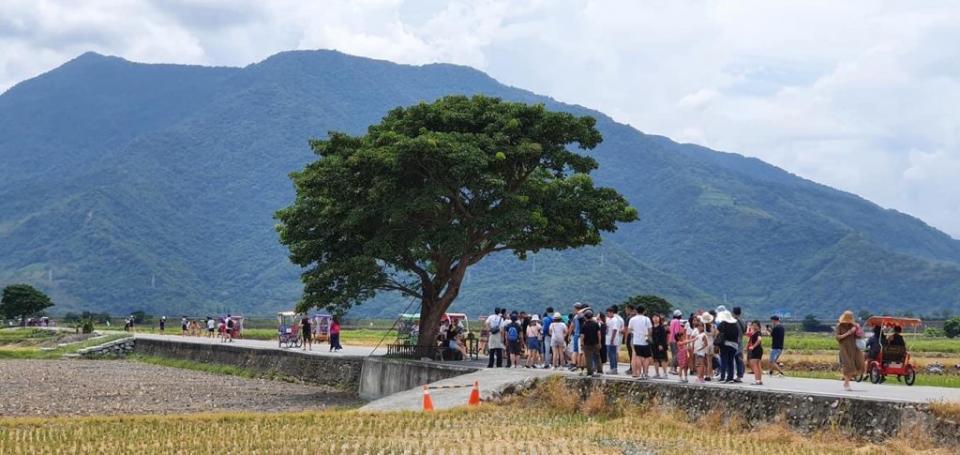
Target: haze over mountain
[(128, 186)]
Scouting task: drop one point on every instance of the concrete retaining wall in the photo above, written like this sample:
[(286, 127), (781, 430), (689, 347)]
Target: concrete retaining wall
[(869, 419), (342, 372), (382, 376), (116, 348)]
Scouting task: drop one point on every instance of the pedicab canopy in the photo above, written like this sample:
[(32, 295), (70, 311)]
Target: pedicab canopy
[(891, 321)]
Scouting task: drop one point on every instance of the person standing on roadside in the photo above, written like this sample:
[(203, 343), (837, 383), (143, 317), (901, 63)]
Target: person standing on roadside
[(612, 341), (533, 341), (163, 324), (676, 326), (741, 332), (574, 329), (558, 339), (335, 334), (628, 338), (591, 337), (639, 327), (728, 331), (659, 346), (547, 345), (495, 343), (755, 352), (513, 332), (306, 332), (777, 335)]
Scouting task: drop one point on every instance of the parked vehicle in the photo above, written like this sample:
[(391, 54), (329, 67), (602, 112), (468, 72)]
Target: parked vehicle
[(288, 329)]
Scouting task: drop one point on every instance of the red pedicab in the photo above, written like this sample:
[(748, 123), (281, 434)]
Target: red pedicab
[(893, 359)]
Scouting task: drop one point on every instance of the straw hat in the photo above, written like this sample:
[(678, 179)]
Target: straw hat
[(847, 317), (706, 318), (557, 316)]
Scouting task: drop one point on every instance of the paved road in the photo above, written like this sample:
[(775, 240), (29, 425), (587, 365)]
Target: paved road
[(492, 380), (320, 349)]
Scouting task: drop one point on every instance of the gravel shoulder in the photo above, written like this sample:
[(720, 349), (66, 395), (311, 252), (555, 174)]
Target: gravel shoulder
[(109, 387)]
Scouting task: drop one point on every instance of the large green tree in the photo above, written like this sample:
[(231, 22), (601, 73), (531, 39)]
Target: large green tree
[(433, 189), (652, 304), (22, 301)]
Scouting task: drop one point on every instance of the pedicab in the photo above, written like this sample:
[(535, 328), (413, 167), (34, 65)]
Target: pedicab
[(321, 327), (893, 359), (288, 329)]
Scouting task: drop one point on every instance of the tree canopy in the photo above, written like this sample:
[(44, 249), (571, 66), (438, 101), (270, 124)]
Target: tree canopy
[(22, 301), (652, 304), (433, 189)]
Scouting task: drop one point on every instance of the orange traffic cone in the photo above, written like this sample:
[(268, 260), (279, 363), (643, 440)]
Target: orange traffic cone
[(427, 401), (474, 394)]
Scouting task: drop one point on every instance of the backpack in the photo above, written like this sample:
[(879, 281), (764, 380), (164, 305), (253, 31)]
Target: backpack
[(513, 332), (495, 328), (229, 323)]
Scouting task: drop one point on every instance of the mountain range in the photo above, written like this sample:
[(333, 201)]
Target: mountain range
[(128, 186)]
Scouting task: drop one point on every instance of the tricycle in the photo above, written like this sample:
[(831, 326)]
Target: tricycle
[(288, 329), (893, 359)]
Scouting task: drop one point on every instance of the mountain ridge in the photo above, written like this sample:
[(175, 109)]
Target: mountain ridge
[(187, 195)]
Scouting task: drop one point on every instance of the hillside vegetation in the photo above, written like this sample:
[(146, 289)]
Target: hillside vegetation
[(126, 186)]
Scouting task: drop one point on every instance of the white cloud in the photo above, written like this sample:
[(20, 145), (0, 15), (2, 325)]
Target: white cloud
[(859, 95)]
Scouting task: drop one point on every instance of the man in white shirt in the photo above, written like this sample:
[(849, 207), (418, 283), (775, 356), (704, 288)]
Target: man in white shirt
[(614, 334), (495, 342), (639, 327)]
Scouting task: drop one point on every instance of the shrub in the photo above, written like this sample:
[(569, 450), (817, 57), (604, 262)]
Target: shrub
[(86, 326), (933, 332), (951, 328)]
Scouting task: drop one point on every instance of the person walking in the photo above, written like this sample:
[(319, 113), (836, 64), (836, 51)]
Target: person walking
[(335, 334), (676, 326), (591, 336), (755, 352), (851, 358), (777, 335), (727, 332), (495, 343), (306, 332), (163, 324), (613, 336), (659, 346), (639, 327), (558, 340)]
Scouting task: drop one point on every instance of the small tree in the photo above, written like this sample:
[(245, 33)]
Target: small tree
[(434, 189), (653, 304), (23, 301), (811, 323), (951, 328)]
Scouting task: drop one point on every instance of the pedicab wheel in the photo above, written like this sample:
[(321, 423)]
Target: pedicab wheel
[(279, 341), (911, 375), (876, 376)]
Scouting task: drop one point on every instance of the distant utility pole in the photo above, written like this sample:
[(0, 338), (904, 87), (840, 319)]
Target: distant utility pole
[(153, 281), (50, 276)]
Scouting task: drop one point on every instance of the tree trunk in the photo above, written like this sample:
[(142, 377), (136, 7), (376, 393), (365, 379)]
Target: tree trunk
[(430, 314)]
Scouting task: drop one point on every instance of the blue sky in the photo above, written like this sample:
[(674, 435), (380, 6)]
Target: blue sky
[(859, 95)]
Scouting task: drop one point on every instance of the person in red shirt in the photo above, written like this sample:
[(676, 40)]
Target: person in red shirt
[(335, 335)]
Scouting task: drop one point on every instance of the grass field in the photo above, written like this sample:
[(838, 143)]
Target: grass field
[(485, 430), (355, 337), (22, 344), (805, 341)]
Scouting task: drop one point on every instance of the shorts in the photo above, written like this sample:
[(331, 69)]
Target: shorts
[(533, 343), (660, 355), (642, 350), (755, 354), (576, 344), (210, 329), (701, 361), (775, 355), (306, 336), (558, 344), (513, 347)]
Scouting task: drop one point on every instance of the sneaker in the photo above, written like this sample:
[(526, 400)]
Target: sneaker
[(738, 381)]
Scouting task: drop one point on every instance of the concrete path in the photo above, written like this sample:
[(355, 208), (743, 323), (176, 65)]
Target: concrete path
[(320, 349), (492, 381)]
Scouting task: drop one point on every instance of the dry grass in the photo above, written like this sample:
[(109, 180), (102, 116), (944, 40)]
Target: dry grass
[(525, 424), (946, 409)]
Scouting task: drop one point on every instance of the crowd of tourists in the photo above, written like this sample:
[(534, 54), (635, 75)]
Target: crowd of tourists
[(226, 328), (714, 345)]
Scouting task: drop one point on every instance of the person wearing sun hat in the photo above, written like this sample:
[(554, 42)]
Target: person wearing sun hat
[(729, 332), (851, 358)]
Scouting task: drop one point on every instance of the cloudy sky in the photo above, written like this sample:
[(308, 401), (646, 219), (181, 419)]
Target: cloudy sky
[(859, 95)]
